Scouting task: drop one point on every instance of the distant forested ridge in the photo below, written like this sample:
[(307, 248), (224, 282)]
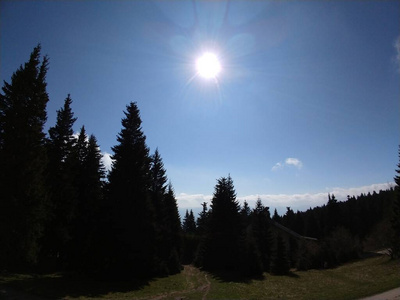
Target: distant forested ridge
[(61, 211)]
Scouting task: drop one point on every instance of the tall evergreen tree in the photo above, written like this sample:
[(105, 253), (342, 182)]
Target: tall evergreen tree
[(189, 223), (173, 237), (168, 227), (245, 212), (261, 232), (62, 182), (23, 159), (222, 242), (395, 249), (276, 217), (90, 174), (202, 220), (132, 222)]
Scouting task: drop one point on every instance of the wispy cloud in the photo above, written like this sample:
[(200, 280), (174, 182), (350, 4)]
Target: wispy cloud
[(290, 161), (281, 201)]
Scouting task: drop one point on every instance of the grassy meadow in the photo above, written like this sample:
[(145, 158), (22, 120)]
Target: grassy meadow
[(351, 281)]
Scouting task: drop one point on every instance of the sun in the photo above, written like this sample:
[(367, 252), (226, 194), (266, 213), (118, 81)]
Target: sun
[(208, 65)]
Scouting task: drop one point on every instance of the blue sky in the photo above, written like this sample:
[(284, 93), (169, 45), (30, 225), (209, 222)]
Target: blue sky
[(307, 101)]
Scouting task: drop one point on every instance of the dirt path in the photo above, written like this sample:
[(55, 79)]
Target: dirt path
[(197, 283), (206, 287)]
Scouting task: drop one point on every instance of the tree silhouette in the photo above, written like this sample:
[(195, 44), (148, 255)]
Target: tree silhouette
[(23, 159), (132, 221), (222, 243), (172, 232), (262, 234), (62, 182), (90, 174), (189, 223)]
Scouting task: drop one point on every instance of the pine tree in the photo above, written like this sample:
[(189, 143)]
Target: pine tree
[(133, 223), (202, 220), (262, 233), (173, 235), (395, 249), (62, 183), (158, 183), (276, 217), (189, 223), (90, 174), (245, 213), (190, 237), (23, 200), (222, 242), (333, 217)]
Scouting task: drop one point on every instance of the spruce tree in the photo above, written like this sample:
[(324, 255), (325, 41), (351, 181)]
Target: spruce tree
[(262, 234), (202, 220), (90, 175), (395, 248), (62, 175), (222, 243), (191, 235), (23, 200), (173, 235), (132, 222), (245, 212), (189, 223)]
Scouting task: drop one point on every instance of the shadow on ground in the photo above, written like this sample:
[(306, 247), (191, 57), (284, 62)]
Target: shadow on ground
[(56, 286)]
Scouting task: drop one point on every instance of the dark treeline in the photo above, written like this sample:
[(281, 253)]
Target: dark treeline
[(61, 211), (250, 241)]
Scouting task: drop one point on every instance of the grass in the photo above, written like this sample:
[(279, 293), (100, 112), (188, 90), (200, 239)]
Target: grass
[(351, 281)]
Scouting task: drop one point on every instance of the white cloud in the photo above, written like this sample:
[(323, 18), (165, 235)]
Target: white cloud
[(280, 201), (192, 201), (290, 161), (106, 160), (294, 162)]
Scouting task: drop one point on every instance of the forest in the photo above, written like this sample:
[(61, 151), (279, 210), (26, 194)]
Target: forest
[(61, 210)]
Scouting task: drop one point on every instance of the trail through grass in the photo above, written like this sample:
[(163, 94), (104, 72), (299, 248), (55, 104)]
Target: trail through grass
[(351, 281)]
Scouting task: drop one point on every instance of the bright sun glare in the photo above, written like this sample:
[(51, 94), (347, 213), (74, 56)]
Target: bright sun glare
[(208, 65)]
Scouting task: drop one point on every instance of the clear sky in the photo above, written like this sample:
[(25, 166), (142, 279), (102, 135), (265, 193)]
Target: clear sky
[(306, 103)]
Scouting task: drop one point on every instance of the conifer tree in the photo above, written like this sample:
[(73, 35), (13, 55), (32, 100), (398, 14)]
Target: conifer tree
[(133, 223), (262, 233), (23, 199), (189, 223), (222, 242), (89, 182), (158, 184), (168, 226), (62, 183), (245, 212), (202, 220), (276, 217), (191, 235), (173, 237)]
